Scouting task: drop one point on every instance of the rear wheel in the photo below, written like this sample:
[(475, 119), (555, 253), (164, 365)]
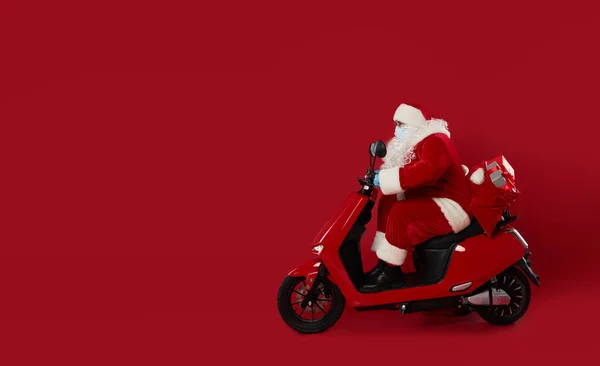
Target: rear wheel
[(318, 315), (516, 285)]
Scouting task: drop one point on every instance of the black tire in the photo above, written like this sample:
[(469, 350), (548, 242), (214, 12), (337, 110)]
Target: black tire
[(516, 284), (328, 292)]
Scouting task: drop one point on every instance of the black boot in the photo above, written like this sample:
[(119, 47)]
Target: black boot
[(387, 277), (375, 271)]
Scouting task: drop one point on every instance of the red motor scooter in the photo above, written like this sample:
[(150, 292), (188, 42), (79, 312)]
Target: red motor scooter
[(468, 270)]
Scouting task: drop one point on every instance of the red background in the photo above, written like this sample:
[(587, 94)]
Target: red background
[(165, 165)]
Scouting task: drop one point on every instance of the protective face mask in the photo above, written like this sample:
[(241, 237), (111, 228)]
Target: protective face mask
[(400, 132)]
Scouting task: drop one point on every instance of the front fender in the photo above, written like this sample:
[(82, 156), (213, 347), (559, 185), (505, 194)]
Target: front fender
[(306, 269)]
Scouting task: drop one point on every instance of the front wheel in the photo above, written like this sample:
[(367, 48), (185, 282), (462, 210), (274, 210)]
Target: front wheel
[(319, 315), (516, 285)]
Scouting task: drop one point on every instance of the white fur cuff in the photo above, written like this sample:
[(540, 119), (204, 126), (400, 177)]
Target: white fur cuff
[(456, 216), (378, 241), (477, 177), (389, 181), (390, 254)]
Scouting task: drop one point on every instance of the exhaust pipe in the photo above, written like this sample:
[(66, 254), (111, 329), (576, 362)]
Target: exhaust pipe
[(488, 297)]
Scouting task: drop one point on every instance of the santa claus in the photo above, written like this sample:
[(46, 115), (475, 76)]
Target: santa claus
[(425, 193)]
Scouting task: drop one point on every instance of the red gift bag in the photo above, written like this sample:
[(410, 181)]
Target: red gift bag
[(493, 191)]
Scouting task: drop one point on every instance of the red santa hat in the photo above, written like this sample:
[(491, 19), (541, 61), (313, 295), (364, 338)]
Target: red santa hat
[(413, 115)]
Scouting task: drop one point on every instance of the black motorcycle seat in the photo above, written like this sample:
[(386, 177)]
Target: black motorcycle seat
[(446, 241), (474, 229)]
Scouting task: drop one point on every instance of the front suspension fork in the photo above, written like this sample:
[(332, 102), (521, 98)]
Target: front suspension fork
[(312, 291)]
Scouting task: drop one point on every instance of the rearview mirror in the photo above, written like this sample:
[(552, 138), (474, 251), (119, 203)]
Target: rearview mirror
[(378, 149)]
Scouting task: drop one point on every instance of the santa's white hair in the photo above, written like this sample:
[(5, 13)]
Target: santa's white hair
[(400, 152)]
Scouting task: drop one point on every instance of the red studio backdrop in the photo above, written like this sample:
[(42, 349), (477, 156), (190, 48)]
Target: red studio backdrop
[(165, 164)]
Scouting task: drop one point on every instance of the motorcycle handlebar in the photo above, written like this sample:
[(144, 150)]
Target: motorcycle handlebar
[(369, 177), (363, 182)]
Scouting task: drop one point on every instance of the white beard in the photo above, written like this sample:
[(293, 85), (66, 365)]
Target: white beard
[(400, 152)]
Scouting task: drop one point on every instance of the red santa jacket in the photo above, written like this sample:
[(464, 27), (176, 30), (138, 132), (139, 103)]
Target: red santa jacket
[(435, 173)]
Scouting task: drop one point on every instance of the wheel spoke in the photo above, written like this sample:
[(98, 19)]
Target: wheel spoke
[(319, 306), (321, 292), (514, 286), (517, 298)]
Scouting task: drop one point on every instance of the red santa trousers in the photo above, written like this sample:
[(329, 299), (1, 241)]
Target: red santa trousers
[(405, 224)]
